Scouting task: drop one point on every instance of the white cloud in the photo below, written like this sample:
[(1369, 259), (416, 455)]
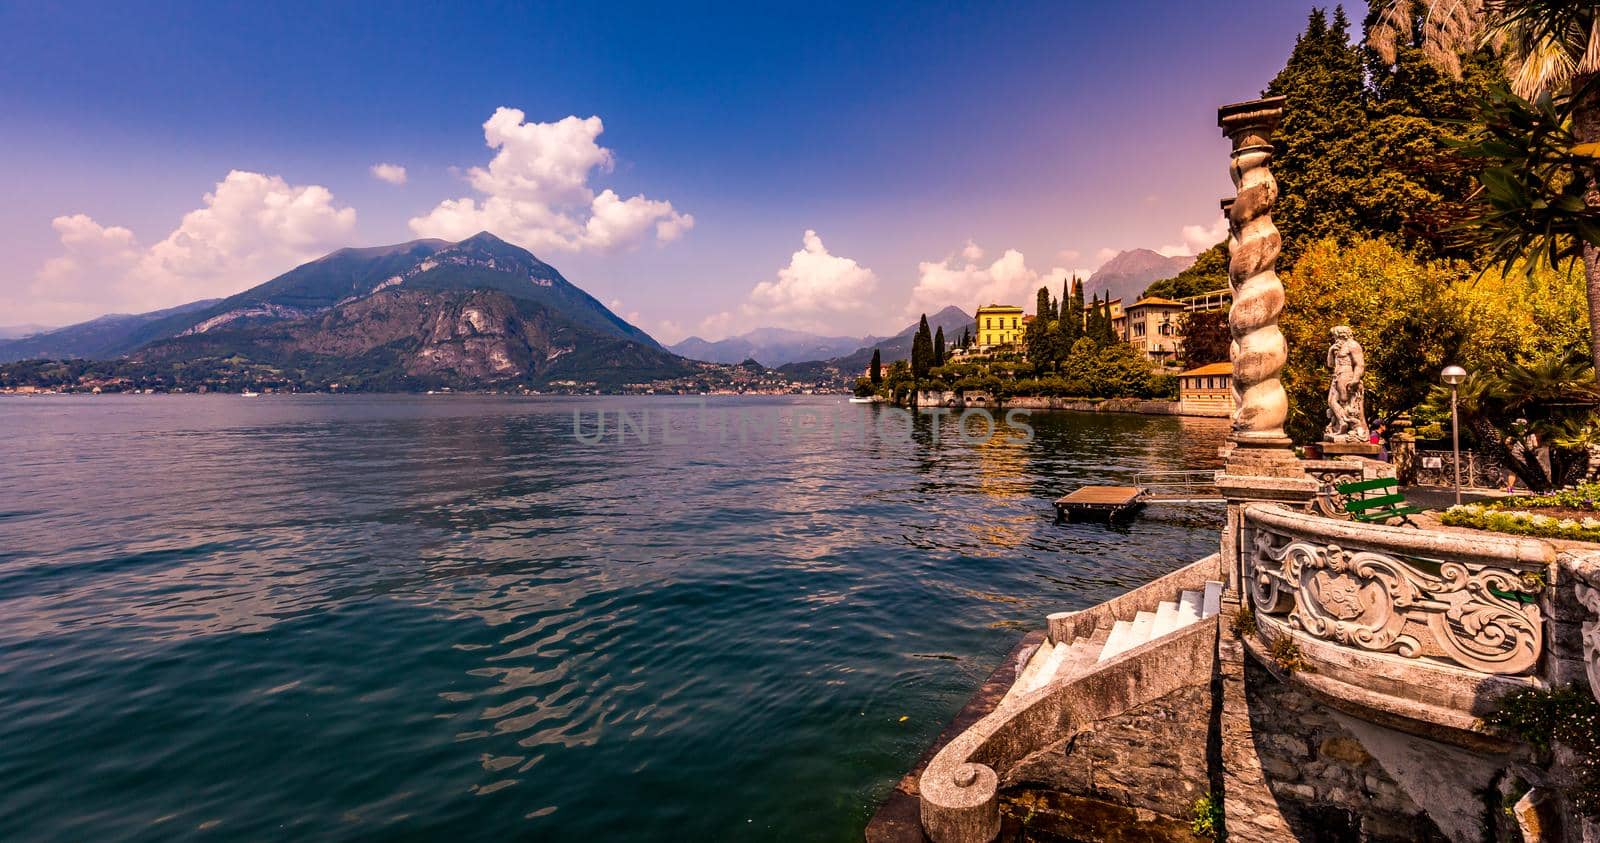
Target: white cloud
[(668, 332), (251, 227), (391, 173), (962, 280), (1104, 255), (815, 292), (1198, 238), (535, 191), (814, 286)]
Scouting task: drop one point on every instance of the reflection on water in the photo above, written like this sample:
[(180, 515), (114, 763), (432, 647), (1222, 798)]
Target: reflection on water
[(328, 618)]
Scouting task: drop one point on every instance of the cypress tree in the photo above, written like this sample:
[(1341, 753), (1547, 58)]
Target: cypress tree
[(922, 350), (876, 373), (1075, 315), (938, 347), (1037, 339), (1326, 108)]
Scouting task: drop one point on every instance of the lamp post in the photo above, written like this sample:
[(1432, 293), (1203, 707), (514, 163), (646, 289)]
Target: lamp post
[(1454, 375)]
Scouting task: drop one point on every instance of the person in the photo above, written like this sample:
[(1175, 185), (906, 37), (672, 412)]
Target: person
[(1378, 438)]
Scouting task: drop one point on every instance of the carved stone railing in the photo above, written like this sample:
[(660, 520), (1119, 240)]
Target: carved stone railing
[(1583, 571), (1466, 600)]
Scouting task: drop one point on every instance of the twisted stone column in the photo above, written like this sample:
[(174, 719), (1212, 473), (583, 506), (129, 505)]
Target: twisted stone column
[(1258, 351)]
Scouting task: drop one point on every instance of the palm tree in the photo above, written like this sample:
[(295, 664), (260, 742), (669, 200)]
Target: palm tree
[(1548, 48)]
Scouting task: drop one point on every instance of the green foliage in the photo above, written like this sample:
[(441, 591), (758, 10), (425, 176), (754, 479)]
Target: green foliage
[(922, 350), (1206, 337), (1366, 147), (1503, 517), (1400, 310), (1208, 817), (1535, 177), (1568, 716), (1585, 496), (1037, 339), (1243, 622), (1209, 272), (938, 347), (1536, 418), (876, 372), (1287, 655), (864, 387), (1164, 385)]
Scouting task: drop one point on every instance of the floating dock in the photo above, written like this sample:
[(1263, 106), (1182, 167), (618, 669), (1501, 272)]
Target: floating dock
[(1113, 502), (1101, 502)]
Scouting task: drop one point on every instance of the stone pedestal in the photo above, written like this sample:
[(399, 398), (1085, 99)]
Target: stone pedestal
[(1351, 449)]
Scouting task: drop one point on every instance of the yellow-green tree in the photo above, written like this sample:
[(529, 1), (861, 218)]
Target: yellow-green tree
[(1415, 317)]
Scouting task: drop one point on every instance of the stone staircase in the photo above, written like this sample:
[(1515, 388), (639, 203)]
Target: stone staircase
[(1058, 660)]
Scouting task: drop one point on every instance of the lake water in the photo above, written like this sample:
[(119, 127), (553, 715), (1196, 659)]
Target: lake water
[(444, 617)]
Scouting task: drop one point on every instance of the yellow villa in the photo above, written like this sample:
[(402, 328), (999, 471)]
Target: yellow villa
[(999, 325)]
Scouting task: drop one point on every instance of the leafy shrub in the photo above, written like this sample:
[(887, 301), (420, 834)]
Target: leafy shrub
[(1520, 523), (1208, 817), (1569, 716)]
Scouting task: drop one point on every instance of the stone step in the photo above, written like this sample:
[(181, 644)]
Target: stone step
[(1031, 669), (1189, 606), (1057, 655), (1121, 639), (1166, 619), (1213, 599), (1143, 623), (1083, 653)]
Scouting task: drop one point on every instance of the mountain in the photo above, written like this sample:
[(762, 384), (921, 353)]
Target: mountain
[(1126, 275), (11, 332), (771, 346), (898, 347), (107, 336), (480, 312), (481, 261)]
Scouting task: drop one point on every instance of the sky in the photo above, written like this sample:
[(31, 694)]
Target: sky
[(701, 168)]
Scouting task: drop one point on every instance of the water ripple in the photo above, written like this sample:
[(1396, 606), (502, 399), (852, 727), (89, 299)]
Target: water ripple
[(336, 618)]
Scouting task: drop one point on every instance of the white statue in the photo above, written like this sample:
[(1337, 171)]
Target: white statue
[(1347, 400)]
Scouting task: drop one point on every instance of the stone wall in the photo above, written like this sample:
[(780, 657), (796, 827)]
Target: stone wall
[(931, 398), (1145, 768), (1291, 771)]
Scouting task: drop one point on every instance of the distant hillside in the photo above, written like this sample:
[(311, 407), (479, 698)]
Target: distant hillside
[(11, 332), (1129, 273), (107, 336), (898, 347), (771, 346), (478, 313), (482, 261)]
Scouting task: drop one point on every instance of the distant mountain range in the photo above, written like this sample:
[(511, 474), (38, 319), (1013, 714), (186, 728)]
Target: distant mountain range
[(11, 332), (898, 347), (769, 346), (1128, 274), (96, 339), (477, 312)]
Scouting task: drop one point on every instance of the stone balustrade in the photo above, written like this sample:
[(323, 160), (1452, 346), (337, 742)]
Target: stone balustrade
[(1472, 601)]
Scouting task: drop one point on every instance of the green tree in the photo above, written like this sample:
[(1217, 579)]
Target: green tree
[(875, 373), (1548, 50), (1324, 86), (922, 350), (1037, 340), (1403, 314), (1208, 273), (1206, 338), (938, 347), (1535, 418)]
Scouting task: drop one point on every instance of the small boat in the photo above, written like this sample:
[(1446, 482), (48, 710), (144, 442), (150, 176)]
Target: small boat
[(248, 394), (870, 399)]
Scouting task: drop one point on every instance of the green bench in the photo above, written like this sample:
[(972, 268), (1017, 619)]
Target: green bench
[(1376, 501)]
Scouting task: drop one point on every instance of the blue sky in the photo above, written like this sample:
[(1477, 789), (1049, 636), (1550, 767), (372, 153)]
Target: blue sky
[(939, 152)]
